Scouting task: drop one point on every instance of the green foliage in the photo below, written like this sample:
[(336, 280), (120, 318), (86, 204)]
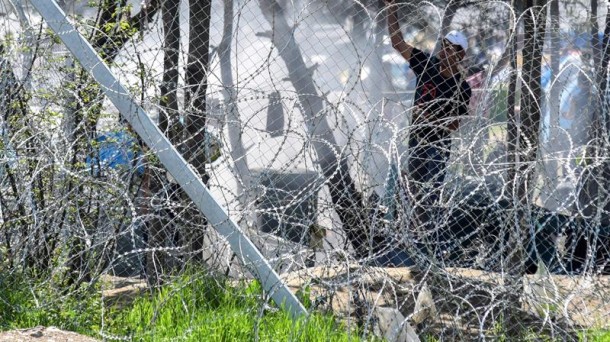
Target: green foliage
[(195, 309), (499, 108), (304, 296), (189, 308), (52, 36), (595, 336), (25, 304), (428, 338)]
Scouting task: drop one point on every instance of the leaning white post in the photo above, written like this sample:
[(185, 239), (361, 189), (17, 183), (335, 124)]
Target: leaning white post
[(169, 157)]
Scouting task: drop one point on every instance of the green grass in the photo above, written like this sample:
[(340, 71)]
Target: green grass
[(596, 336), (26, 304), (190, 308), (201, 308)]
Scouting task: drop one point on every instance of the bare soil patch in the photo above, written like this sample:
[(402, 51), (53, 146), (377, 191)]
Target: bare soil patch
[(43, 334), (466, 302)]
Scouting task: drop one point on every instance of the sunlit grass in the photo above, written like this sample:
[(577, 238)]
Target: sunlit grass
[(596, 336), (192, 307), (25, 303), (202, 308)]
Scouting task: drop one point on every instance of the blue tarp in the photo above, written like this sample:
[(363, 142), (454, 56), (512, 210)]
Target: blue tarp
[(117, 150)]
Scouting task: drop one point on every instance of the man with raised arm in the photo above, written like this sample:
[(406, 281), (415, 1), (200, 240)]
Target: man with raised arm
[(442, 96)]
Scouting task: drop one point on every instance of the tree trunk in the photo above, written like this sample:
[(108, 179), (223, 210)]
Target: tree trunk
[(375, 164), (526, 147), (512, 126), (555, 41), (554, 97), (602, 79), (552, 104), (233, 120), (168, 115), (595, 42), (526, 144), (196, 84), (598, 199), (196, 145), (333, 164), (531, 92), (593, 201), (160, 228)]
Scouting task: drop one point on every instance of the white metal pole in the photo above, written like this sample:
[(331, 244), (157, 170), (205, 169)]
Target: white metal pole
[(169, 157)]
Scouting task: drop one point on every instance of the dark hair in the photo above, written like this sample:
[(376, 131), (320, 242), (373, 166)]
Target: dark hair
[(458, 48)]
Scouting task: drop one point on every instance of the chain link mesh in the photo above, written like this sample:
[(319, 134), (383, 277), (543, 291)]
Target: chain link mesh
[(306, 124)]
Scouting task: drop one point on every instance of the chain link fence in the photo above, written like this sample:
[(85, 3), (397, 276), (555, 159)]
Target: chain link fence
[(335, 150)]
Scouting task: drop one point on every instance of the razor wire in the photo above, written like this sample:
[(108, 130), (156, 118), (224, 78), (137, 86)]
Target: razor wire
[(303, 121)]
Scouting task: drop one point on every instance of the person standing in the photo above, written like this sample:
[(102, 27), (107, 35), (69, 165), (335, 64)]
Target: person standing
[(442, 97)]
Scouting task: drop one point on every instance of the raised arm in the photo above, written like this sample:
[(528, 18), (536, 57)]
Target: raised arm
[(398, 41)]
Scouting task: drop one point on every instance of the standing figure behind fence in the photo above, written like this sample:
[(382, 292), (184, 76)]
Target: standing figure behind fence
[(442, 96)]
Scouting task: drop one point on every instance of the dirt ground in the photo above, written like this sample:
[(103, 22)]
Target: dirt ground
[(466, 301), (43, 334)]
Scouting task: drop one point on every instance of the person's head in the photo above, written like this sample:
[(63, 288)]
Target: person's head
[(453, 49)]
